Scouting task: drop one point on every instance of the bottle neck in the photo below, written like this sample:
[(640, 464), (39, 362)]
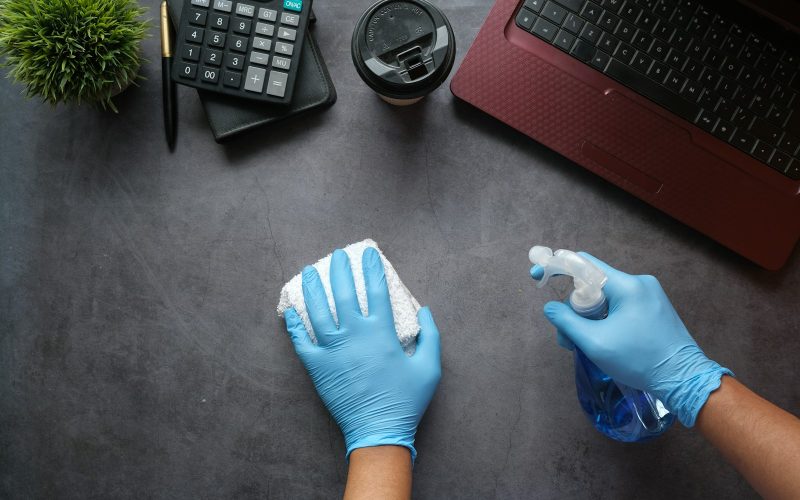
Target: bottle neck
[(595, 311)]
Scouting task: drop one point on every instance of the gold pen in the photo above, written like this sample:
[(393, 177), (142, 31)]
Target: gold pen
[(169, 91)]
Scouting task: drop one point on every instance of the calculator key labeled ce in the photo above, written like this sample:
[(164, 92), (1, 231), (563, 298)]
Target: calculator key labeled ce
[(290, 19)]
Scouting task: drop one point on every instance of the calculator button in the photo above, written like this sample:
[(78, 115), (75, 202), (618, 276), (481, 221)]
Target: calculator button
[(187, 70), (198, 17), (238, 43), (210, 75), (259, 58), (290, 19), (262, 43), (281, 62), (217, 39), (219, 21), (232, 79), (287, 34), (268, 14), (244, 9), (277, 83), (213, 57), (223, 5), (190, 53), (200, 3), (234, 61), (295, 5), (242, 26), (254, 81), (265, 29), (284, 48), (195, 35)]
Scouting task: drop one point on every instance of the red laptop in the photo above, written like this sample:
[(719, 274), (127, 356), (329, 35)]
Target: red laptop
[(691, 106)]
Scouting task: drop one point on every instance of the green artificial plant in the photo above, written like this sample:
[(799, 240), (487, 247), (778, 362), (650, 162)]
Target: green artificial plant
[(72, 50)]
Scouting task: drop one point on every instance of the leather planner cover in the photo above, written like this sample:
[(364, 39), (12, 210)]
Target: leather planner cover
[(230, 117)]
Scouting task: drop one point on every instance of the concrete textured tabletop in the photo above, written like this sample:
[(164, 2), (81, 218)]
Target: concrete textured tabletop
[(140, 352)]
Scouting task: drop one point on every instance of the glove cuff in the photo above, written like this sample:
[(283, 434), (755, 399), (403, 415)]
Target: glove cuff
[(369, 441), (688, 398)]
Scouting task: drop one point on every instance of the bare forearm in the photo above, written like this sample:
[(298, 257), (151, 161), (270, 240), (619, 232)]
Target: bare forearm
[(758, 438), (379, 472)]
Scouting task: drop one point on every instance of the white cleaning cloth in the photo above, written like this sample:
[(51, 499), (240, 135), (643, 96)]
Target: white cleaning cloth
[(404, 305)]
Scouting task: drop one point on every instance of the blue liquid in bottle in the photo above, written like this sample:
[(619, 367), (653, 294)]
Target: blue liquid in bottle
[(618, 411)]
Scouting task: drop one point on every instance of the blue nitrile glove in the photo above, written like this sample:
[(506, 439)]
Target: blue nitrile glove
[(375, 392), (642, 343)]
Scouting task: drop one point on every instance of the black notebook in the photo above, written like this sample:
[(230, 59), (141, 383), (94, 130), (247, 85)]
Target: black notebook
[(230, 117)]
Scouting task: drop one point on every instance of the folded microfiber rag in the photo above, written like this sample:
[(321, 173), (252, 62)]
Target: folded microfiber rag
[(404, 305)]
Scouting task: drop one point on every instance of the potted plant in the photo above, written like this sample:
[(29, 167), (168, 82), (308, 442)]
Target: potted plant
[(72, 51)]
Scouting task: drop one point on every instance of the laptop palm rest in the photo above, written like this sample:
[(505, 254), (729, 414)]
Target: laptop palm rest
[(621, 168)]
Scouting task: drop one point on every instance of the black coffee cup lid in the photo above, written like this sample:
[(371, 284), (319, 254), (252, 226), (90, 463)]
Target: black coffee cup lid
[(403, 49)]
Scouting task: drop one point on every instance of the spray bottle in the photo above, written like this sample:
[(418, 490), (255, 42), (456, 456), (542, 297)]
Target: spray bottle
[(618, 411)]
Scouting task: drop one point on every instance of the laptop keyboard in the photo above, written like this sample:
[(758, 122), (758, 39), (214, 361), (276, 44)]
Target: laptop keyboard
[(696, 62)]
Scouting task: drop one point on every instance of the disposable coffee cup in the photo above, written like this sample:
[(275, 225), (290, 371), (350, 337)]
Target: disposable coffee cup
[(403, 49)]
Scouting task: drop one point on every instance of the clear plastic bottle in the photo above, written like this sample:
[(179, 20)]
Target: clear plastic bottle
[(618, 411)]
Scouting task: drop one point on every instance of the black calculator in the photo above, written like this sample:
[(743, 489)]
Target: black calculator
[(248, 48)]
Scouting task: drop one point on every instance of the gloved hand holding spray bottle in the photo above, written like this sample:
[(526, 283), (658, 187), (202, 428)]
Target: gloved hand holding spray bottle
[(618, 411)]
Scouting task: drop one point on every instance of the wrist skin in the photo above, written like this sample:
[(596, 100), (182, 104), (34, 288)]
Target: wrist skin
[(382, 472)]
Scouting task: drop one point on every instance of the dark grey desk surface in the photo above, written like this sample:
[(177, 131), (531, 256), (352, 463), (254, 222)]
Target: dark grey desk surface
[(141, 355)]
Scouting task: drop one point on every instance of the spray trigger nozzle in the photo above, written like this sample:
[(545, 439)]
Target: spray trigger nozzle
[(588, 278)]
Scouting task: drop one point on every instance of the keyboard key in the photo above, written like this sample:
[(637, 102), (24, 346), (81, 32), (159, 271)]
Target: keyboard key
[(223, 5), (277, 83), (743, 118), (711, 79), (554, 12), (693, 69), (254, 81), (210, 75), (591, 33), (268, 15), (646, 21), (242, 26), (245, 10), (198, 17), (608, 21), (216, 39), (592, 12), (648, 88), (573, 5), (706, 121), (624, 53), (295, 5), (766, 131), (264, 44), (760, 105), (763, 151), (287, 34), (731, 68), (187, 70), (265, 29), (779, 161), (630, 12), (676, 59), (713, 58), (583, 51), (564, 40), (715, 37), (190, 53), (544, 29), (573, 24), (790, 144), (766, 64), (659, 50), (625, 31), (743, 141), (533, 5), (213, 57), (260, 58), (658, 71), (290, 20), (612, 5), (663, 31), (723, 130), (194, 35), (709, 99), (692, 91), (238, 43), (525, 19), (234, 61), (219, 21), (642, 41), (641, 62), (284, 48), (608, 43), (726, 109), (281, 63), (200, 3), (600, 60), (778, 116), (793, 171), (675, 81)]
